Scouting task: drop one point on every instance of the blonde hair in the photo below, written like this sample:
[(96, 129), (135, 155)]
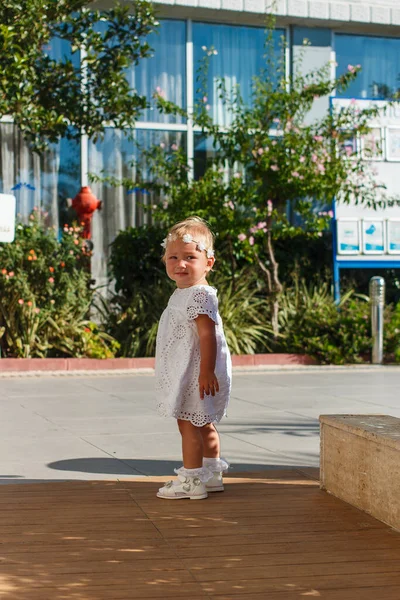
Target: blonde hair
[(197, 227)]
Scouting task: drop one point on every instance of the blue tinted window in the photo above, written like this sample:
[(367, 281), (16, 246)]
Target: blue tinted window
[(44, 181), (165, 71), (380, 61), (316, 36), (240, 56), (116, 156)]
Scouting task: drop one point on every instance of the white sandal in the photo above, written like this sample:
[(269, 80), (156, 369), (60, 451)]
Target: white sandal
[(184, 487), (217, 466)]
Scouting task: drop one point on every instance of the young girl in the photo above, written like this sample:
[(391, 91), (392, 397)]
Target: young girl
[(193, 364)]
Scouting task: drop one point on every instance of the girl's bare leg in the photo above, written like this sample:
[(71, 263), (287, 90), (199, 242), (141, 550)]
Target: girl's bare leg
[(192, 445), (211, 444)]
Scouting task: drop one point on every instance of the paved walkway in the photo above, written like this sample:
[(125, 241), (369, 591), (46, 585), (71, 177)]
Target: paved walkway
[(104, 426)]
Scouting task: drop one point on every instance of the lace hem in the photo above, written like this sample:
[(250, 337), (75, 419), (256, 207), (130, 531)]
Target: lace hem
[(202, 473), (216, 465), (198, 419)]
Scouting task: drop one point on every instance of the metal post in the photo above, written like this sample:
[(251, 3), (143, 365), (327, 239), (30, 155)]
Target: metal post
[(377, 298)]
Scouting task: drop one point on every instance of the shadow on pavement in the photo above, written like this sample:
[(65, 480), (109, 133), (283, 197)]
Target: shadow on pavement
[(143, 467)]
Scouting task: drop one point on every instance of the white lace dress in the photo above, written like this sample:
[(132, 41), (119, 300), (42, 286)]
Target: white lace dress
[(178, 358)]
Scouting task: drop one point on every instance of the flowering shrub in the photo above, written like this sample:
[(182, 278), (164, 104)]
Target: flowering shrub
[(45, 292)]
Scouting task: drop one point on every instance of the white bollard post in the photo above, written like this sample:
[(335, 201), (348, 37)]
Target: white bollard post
[(377, 298)]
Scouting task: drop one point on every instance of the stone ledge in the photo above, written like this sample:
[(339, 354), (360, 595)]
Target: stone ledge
[(382, 429), (360, 458), (93, 364)]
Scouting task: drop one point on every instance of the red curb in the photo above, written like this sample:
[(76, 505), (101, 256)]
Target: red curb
[(94, 364)]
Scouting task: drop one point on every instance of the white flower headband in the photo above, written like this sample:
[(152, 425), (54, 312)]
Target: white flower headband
[(187, 239)]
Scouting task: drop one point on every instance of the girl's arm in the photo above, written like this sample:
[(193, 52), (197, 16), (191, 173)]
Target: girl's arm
[(208, 383)]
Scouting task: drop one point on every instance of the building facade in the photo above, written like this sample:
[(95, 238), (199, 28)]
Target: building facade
[(345, 33)]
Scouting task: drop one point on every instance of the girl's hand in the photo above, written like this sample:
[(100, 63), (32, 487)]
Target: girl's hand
[(208, 384)]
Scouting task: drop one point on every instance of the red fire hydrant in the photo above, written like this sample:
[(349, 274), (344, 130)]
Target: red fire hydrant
[(84, 204)]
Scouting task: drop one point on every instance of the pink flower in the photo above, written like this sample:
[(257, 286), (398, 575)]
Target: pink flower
[(36, 310), (302, 159), (330, 213), (314, 157), (162, 145), (11, 274), (295, 174), (208, 107), (205, 99), (174, 147), (269, 206), (318, 138), (20, 301), (351, 68), (237, 175), (253, 229), (321, 168), (261, 225), (251, 240), (242, 237), (260, 151), (29, 303), (231, 205), (51, 280), (274, 168)]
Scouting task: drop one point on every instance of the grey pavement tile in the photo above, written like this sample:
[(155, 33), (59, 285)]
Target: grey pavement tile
[(280, 440), (133, 384), (20, 387), (128, 424), (106, 426), (99, 406), (45, 447), (138, 445), (238, 452)]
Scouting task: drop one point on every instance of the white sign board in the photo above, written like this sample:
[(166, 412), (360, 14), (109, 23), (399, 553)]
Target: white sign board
[(348, 236), (373, 236), (379, 229), (7, 218), (393, 236)]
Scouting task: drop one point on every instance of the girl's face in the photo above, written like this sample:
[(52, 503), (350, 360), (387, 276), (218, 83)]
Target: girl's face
[(186, 265)]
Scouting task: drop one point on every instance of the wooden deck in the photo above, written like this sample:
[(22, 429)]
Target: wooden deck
[(269, 536)]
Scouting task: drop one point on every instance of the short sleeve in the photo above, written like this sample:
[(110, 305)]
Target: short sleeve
[(202, 301)]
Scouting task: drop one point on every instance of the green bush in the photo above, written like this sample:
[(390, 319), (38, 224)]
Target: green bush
[(133, 320), (135, 260), (45, 294), (311, 323)]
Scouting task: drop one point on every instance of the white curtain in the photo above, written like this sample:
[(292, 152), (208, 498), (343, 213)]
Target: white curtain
[(31, 177), (165, 71), (122, 207), (239, 57)]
